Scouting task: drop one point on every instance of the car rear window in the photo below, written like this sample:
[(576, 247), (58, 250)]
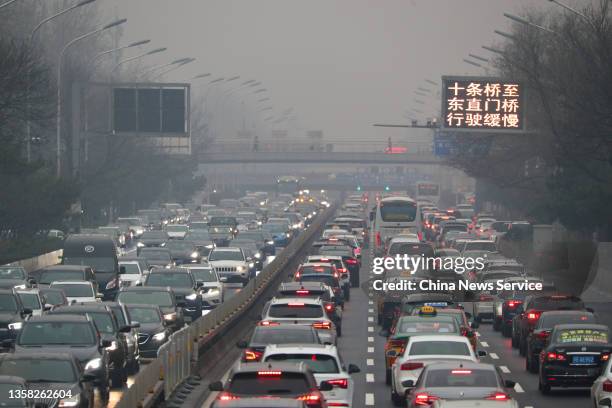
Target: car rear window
[(296, 310), (329, 280), (317, 269), (318, 363), (557, 303), (582, 336), (427, 325), (460, 377), (269, 383), (550, 321), (408, 248), (446, 348), (276, 336)]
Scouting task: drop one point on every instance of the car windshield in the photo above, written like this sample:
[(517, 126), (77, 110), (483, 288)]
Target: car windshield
[(154, 235), (263, 335), (398, 211), (53, 297), (8, 303), (180, 245), (40, 370), (151, 298), (275, 228), (460, 378), (144, 315), (270, 383), (203, 274), (156, 255), (581, 335), (297, 310), (557, 303), (198, 235), (174, 280), (131, 268), (222, 221), (64, 333), (308, 269), (30, 301), (426, 325), (177, 228), (9, 272), (55, 276), (74, 290), (483, 246), (446, 348), (223, 255), (318, 363)]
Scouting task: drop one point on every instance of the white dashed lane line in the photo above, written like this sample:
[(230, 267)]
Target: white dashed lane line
[(370, 349), (369, 399), (370, 310), (370, 362), (518, 388), (371, 319), (370, 377), (484, 344), (370, 339), (370, 329), (505, 370), (370, 302), (494, 356)]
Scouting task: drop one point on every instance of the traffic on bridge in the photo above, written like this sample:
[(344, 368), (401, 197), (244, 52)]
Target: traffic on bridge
[(305, 204)]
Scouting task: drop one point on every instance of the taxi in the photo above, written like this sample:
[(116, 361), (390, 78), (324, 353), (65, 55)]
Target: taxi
[(467, 328), (428, 322)]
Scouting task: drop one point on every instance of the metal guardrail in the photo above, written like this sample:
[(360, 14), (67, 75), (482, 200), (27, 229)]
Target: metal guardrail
[(178, 356)]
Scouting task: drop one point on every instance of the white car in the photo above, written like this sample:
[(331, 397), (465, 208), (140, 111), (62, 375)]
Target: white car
[(602, 387), (397, 242), (510, 403), (130, 273), (212, 289), (177, 231), (230, 263), (31, 299), (326, 365), (77, 291), (478, 245), (422, 351)]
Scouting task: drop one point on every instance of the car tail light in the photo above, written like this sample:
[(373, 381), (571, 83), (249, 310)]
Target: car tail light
[(543, 335), (378, 239), (461, 372), (295, 304), (322, 325), (329, 307), (226, 396), (498, 396), (298, 274), (411, 366), (607, 386), (268, 323), (269, 373), (351, 261), (302, 292), (511, 304), (252, 355), (605, 356), (553, 356), (424, 399), (339, 382), (312, 399)]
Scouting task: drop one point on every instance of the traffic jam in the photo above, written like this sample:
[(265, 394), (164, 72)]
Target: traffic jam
[(75, 333)]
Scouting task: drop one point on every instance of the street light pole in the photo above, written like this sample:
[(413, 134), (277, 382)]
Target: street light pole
[(155, 51), (8, 3), (173, 67), (161, 66), (103, 53), (58, 136)]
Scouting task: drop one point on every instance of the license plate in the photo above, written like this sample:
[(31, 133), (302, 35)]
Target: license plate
[(583, 360)]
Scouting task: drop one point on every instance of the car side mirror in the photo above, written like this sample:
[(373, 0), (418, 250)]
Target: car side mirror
[(88, 377), (106, 343), (122, 270), (99, 296), (590, 309), (408, 384), (27, 311), (325, 386), (32, 281), (199, 284), (605, 402), (509, 383), (125, 329), (47, 307), (135, 325), (216, 386), (180, 304), (223, 279), (352, 368), (482, 353)]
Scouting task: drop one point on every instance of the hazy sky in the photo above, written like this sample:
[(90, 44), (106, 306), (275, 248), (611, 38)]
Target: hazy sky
[(342, 64)]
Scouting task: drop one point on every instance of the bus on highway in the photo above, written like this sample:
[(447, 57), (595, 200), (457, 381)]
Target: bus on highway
[(428, 191), (394, 215)]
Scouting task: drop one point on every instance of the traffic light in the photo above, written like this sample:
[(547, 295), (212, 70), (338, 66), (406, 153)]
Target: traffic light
[(387, 188)]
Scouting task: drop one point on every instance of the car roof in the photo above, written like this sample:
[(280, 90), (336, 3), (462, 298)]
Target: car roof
[(440, 337), (302, 347), (65, 268), (7, 292), (82, 307), (37, 355), (58, 318), (581, 326), (63, 282), (146, 289), (310, 301), (333, 257), (169, 270), (254, 367), (302, 285), (321, 264), (230, 248)]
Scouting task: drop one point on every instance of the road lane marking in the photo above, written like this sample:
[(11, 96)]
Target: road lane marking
[(518, 388), (484, 344), (371, 319), (370, 349), (370, 339), (369, 377), (370, 310), (370, 361), (505, 370), (494, 356), (370, 302), (371, 329), (369, 399)]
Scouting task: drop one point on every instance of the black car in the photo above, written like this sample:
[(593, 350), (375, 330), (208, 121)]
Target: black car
[(255, 347), (58, 273), (108, 328), (72, 334), (538, 339), (183, 285), (157, 257), (163, 297), (155, 238), (183, 252), (574, 356), (153, 331), (14, 277), (46, 373), (12, 315)]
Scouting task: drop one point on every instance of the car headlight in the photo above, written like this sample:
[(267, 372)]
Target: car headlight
[(15, 326), (262, 203), (211, 246), (310, 216), (170, 316), (252, 265), (240, 268), (140, 245), (72, 401), (193, 296), (258, 255), (165, 222), (159, 336), (270, 242), (288, 235), (163, 244), (113, 346), (213, 292), (259, 223), (94, 364), (195, 254), (22, 286)]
